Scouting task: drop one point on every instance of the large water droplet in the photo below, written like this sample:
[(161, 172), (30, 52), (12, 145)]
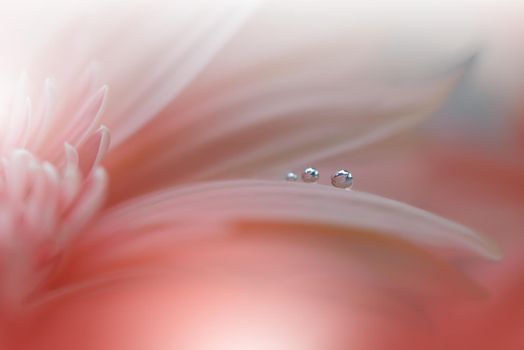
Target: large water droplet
[(342, 179)]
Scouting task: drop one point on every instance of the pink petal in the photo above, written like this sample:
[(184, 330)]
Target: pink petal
[(79, 127), (219, 105), (287, 250), (281, 202), (266, 128), (93, 150), (146, 63), (378, 234), (289, 100)]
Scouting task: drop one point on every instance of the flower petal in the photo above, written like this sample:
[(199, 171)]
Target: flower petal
[(217, 105), (319, 249), (226, 226), (267, 128), (146, 63), (296, 102), (298, 204)]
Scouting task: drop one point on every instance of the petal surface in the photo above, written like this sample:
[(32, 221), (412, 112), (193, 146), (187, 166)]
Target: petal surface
[(146, 52), (310, 256), (242, 132), (223, 202), (209, 88), (286, 108), (176, 225)]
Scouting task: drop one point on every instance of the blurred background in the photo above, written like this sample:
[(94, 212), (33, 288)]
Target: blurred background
[(466, 162)]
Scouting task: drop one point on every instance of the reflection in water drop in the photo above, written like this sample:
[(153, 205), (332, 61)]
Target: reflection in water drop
[(310, 175), (342, 179)]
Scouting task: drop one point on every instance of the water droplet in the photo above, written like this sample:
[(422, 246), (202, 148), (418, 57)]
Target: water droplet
[(291, 176), (310, 175), (342, 179)]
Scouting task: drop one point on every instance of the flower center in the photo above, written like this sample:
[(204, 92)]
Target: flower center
[(48, 194)]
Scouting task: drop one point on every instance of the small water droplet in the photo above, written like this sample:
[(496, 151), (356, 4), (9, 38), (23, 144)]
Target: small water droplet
[(291, 176), (310, 175), (342, 179)]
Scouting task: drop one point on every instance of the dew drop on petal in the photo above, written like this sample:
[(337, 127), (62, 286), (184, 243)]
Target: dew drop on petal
[(291, 176), (342, 179), (310, 175)]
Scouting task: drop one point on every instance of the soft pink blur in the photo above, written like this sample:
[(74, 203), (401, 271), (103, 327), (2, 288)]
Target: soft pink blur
[(201, 244), (484, 190)]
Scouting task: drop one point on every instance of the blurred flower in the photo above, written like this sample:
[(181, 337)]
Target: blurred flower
[(201, 244)]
